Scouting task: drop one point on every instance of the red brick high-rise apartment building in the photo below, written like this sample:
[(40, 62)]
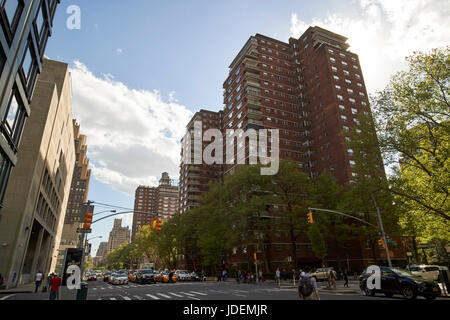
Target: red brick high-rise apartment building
[(194, 178), (161, 200), (312, 90)]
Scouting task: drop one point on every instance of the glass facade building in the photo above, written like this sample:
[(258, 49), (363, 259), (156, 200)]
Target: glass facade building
[(26, 26)]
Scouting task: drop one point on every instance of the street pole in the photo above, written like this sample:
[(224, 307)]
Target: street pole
[(383, 235)]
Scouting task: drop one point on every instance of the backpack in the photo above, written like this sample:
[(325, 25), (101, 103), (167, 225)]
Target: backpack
[(306, 286)]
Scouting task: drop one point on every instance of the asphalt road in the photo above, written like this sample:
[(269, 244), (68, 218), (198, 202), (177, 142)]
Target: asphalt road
[(99, 290)]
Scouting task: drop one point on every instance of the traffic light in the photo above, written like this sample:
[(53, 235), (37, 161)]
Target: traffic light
[(381, 243), (88, 220), (255, 257), (310, 217), (152, 223), (158, 225)]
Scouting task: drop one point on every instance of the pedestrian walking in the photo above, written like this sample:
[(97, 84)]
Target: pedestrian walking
[(345, 278), (332, 278), (219, 276), (238, 276), (1, 280), (55, 283), (278, 276), (260, 278), (38, 280), (307, 287)]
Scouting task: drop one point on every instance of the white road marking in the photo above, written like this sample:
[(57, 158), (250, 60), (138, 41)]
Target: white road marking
[(153, 297), (4, 298), (200, 293), (112, 299), (165, 296), (137, 297), (239, 295), (193, 298), (188, 294), (176, 295), (103, 288), (126, 298)]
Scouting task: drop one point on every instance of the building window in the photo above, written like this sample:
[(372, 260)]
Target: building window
[(12, 9), (13, 115)]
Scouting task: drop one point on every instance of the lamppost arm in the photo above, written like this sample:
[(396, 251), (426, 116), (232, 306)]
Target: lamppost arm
[(343, 214)]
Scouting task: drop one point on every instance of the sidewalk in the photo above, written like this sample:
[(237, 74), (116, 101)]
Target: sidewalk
[(64, 293)]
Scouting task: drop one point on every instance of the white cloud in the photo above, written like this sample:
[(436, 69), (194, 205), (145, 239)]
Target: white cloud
[(119, 50), (385, 32), (133, 135)]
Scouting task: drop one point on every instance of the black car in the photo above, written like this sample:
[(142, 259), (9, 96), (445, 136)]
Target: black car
[(145, 276), (400, 281), (196, 276), (106, 276)]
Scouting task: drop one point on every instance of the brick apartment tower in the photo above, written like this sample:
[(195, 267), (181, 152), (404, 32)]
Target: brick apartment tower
[(312, 90), (194, 178), (161, 200)]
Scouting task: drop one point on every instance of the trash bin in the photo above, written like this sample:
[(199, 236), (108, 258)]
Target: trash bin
[(83, 291)]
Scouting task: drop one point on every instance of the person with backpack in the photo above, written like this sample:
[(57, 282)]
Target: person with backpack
[(307, 287)]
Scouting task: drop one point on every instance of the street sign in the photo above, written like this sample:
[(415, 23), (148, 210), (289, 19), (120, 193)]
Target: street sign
[(81, 230), (409, 254)]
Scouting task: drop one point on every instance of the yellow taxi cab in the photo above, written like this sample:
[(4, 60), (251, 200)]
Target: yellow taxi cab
[(165, 277), (132, 276)]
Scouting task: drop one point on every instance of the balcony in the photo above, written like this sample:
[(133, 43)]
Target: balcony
[(253, 104), (249, 76), (253, 94), (255, 122), (254, 114)]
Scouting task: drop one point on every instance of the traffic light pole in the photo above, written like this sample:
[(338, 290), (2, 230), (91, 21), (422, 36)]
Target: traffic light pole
[(383, 234), (380, 225)]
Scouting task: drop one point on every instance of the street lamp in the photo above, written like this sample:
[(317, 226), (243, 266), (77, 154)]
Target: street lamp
[(112, 211), (94, 238)]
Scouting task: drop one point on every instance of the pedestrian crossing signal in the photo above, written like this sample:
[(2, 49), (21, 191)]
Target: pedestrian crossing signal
[(310, 218)]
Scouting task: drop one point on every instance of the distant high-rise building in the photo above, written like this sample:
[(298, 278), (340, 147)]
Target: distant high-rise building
[(25, 28), (161, 200), (102, 249), (118, 235), (194, 178), (37, 195), (77, 197)]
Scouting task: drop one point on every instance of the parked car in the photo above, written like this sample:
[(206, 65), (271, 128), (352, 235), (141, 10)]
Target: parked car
[(183, 275), (145, 276), (400, 281), (119, 278), (321, 274), (428, 272)]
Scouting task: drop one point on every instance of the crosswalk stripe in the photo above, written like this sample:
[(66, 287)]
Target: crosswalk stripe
[(112, 299), (165, 296), (126, 298), (188, 294), (200, 293), (153, 297), (4, 298), (193, 298), (137, 297), (103, 288), (176, 295)]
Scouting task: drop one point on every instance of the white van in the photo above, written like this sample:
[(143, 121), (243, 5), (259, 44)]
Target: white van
[(428, 272)]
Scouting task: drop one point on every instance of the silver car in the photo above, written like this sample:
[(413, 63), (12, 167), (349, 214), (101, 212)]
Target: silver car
[(118, 278)]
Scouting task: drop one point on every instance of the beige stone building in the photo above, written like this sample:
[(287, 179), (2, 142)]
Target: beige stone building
[(78, 195), (118, 235), (37, 194)]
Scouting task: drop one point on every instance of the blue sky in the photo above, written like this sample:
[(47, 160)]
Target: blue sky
[(134, 62)]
